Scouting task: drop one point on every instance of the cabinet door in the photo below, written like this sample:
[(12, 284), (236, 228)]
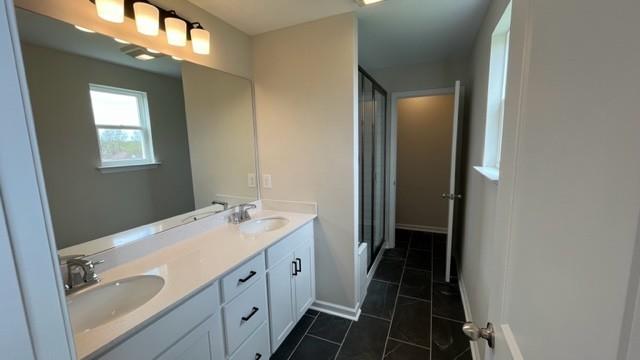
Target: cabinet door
[(281, 308), (202, 343), (305, 278)]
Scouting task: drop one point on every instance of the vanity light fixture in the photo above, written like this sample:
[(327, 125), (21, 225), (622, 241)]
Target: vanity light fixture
[(144, 57), (176, 30), (121, 41), (150, 19), (200, 40), (147, 18), (176, 58), (83, 29), (367, 2), (153, 51), (111, 10)]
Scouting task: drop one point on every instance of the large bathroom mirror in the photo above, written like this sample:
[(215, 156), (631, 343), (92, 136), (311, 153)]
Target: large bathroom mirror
[(132, 141)]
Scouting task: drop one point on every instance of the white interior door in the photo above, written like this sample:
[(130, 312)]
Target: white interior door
[(454, 196), (565, 263)]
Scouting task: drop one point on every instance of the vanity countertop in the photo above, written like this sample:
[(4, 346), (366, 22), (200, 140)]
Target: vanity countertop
[(186, 267)]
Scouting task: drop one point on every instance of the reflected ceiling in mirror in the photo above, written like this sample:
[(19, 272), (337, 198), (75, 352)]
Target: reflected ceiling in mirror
[(132, 142)]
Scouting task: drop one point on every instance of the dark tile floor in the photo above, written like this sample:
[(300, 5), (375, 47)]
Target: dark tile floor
[(409, 313)]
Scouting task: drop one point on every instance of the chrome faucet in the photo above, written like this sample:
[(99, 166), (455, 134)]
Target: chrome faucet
[(224, 204), (241, 213), (80, 272)]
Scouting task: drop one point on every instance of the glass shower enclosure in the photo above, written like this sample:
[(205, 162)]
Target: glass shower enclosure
[(373, 140)]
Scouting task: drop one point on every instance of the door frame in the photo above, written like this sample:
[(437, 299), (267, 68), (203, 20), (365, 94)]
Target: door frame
[(26, 211), (392, 149)]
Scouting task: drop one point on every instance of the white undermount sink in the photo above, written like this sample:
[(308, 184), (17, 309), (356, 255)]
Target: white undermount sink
[(99, 305), (262, 225)]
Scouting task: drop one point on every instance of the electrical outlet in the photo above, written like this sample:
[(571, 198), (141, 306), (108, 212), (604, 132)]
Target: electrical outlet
[(266, 181), (251, 180)]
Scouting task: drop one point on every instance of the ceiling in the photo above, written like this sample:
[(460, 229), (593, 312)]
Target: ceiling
[(259, 16), (391, 33), (47, 32), (405, 32)]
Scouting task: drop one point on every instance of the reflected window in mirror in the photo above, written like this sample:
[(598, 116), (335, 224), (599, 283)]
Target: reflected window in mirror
[(122, 124)]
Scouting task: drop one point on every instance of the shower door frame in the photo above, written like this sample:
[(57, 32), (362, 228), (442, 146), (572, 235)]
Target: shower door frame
[(372, 252)]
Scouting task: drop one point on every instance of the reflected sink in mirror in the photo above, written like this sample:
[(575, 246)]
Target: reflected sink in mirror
[(99, 305), (258, 226)]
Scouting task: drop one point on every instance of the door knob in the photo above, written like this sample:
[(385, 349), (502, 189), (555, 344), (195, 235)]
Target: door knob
[(474, 332)]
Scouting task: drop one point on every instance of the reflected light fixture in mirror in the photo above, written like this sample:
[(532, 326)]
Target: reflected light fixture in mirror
[(176, 31), (84, 29), (147, 18), (111, 10), (200, 40)]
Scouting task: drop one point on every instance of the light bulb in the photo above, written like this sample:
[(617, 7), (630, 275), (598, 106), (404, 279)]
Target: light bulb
[(147, 18), (176, 31), (200, 41), (111, 10)]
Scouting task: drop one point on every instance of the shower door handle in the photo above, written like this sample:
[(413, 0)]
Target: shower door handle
[(448, 196)]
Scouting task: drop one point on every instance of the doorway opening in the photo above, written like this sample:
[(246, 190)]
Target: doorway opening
[(425, 167)]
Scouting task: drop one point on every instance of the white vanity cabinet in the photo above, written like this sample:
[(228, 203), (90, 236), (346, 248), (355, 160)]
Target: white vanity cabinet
[(193, 330), (290, 282), (243, 316)]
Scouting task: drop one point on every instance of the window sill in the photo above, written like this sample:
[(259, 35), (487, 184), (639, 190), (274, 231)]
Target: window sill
[(122, 168), (491, 173)]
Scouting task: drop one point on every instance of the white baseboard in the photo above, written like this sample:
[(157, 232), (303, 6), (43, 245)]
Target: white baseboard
[(337, 310), (433, 229), (475, 351)]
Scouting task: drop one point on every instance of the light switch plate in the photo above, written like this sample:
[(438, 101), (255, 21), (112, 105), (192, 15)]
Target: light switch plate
[(266, 181), (251, 180)]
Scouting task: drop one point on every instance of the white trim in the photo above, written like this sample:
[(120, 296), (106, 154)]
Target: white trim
[(393, 151), (337, 310), (123, 168), (375, 264), (491, 173), (475, 350), (512, 344), (422, 228), (26, 206)]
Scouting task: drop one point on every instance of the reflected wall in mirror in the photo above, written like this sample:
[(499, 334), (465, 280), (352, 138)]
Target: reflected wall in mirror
[(129, 137)]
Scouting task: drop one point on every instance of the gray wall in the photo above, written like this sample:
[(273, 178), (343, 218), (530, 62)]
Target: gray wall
[(221, 135), (306, 96), (425, 127), (86, 204)]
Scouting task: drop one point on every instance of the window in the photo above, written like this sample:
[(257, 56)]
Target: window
[(496, 94), (122, 124)]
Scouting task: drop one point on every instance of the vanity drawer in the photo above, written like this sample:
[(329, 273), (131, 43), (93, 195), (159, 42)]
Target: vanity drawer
[(257, 347), (242, 277), (285, 246), (245, 314)]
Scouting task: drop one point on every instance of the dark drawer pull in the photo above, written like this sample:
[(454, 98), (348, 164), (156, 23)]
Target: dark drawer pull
[(251, 274), (258, 356), (299, 269), (295, 268), (253, 312)]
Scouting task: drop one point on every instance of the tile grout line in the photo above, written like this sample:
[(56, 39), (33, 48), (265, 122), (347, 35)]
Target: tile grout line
[(414, 298), (302, 338), (408, 343), (323, 339), (343, 340), (448, 319), (395, 304)]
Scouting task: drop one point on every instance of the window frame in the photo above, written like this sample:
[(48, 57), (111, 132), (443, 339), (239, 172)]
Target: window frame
[(145, 127), (496, 96)]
